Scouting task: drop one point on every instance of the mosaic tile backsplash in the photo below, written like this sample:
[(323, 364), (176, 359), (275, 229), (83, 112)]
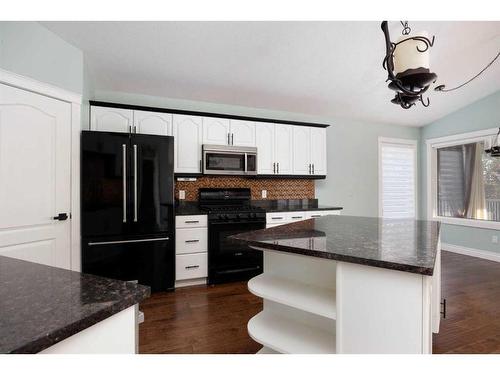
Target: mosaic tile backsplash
[(276, 188)]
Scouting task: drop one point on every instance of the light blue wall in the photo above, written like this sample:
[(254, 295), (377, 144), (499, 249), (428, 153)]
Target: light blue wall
[(29, 49), (483, 114), (352, 180)]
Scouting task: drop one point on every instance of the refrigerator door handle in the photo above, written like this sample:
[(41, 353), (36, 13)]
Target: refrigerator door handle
[(135, 183), (127, 241), (124, 187)]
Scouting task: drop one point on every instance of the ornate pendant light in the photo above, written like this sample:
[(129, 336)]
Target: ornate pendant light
[(494, 149), (407, 65)]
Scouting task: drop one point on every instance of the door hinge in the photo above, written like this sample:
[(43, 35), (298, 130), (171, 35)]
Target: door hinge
[(443, 309)]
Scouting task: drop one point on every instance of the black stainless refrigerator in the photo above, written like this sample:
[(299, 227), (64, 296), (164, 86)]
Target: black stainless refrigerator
[(127, 205)]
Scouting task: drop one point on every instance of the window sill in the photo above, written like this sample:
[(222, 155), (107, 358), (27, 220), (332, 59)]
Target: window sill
[(485, 224)]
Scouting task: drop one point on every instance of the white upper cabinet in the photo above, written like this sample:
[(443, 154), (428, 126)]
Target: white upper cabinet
[(188, 133), (242, 133), (302, 150), (216, 131), (283, 148), (153, 123), (264, 136), (318, 151), (108, 119)]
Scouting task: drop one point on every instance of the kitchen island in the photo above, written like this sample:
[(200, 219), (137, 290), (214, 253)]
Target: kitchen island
[(346, 284), (46, 309)]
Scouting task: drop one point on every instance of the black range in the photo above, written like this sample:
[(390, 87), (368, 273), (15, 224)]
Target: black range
[(230, 212)]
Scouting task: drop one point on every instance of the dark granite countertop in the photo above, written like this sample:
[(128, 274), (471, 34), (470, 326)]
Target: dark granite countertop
[(398, 244), (41, 305), (271, 205)]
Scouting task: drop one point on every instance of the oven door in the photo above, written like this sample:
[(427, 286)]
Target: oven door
[(230, 260), (223, 162)]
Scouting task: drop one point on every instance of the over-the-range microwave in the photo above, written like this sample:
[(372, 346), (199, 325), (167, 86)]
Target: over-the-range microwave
[(229, 160)]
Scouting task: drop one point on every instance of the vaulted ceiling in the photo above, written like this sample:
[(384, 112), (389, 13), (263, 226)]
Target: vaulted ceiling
[(318, 68)]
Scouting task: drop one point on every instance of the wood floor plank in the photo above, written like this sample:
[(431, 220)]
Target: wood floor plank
[(206, 319)]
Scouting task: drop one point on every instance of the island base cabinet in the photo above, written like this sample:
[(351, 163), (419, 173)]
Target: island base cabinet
[(382, 311), (114, 335)]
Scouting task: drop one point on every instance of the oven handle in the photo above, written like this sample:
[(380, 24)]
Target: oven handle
[(240, 222)]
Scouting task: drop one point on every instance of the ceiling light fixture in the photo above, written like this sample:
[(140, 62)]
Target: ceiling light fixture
[(407, 65)]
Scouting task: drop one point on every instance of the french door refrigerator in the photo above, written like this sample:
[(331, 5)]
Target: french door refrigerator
[(127, 206)]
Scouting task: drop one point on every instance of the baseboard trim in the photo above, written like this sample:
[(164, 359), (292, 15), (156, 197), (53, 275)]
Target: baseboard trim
[(483, 254)]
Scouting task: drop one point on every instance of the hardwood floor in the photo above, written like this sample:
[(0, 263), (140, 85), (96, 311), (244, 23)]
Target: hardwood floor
[(205, 319)]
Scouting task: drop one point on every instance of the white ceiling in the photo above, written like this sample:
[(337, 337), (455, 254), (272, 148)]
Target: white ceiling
[(318, 68)]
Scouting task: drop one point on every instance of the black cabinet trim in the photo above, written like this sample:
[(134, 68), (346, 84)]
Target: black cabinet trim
[(205, 114), (259, 176)]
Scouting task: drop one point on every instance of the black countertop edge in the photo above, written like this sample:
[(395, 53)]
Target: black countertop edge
[(341, 258), (281, 205), (56, 336)]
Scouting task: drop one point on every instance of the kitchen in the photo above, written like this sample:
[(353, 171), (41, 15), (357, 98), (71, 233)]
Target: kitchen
[(196, 227)]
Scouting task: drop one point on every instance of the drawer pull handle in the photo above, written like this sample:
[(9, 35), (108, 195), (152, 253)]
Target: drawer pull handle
[(315, 215), (191, 241), (277, 218), (191, 267), (296, 217), (192, 221), (238, 254)]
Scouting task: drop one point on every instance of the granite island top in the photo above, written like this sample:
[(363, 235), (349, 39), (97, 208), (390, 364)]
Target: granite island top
[(269, 205), (397, 244), (41, 305)]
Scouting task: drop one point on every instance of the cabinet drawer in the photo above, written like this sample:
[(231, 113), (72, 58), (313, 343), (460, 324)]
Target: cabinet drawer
[(191, 240), (315, 214), (191, 221), (296, 216), (191, 266), (276, 218)]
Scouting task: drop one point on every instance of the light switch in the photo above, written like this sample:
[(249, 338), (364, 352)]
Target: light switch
[(264, 194), (182, 194), (494, 239)]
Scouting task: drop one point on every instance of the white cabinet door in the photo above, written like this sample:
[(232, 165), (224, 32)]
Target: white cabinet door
[(187, 144), (283, 148), (154, 123), (318, 150), (264, 137), (301, 150), (35, 177), (216, 131), (111, 119), (242, 133)]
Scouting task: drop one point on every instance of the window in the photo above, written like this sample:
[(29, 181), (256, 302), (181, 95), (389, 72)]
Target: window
[(464, 181), (397, 178), (468, 182)]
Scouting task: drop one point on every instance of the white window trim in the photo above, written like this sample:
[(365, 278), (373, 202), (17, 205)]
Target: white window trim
[(432, 146), (396, 141)]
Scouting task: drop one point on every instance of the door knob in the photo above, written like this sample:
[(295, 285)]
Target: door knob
[(61, 217)]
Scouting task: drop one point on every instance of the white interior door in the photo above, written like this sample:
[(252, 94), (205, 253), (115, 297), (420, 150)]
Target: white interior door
[(35, 177), (154, 123), (284, 148)]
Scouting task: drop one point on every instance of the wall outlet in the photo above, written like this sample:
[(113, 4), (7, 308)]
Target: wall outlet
[(494, 239), (182, 194), (264, 194)]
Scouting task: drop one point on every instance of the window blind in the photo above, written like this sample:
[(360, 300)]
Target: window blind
[(398, 180)]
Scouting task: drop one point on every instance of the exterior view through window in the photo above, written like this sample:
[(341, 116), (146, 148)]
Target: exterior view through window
[(468, 182), (397, 162)]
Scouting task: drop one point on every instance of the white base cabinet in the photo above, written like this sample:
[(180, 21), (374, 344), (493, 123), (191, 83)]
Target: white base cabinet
[(316, 305), (191, 249)]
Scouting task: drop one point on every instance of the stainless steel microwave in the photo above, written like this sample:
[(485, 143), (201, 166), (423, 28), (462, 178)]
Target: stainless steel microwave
[(229, 160)]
